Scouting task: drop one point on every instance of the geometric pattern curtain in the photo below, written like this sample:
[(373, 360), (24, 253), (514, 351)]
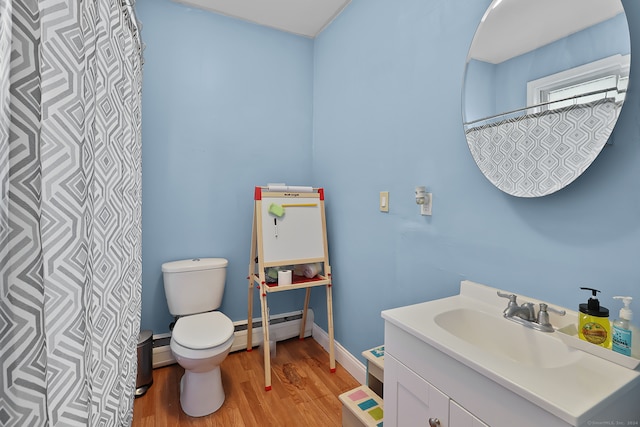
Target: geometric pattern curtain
[(538, 154), (70, 212)]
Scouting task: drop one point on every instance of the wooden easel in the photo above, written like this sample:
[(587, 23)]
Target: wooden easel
[(299, 236)]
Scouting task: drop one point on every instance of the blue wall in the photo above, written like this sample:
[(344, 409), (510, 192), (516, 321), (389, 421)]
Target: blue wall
[(226, 107), (387, 116), (373, 104)]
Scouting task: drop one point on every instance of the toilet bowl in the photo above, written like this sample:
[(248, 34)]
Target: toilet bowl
[(199, 343), (202, 336)]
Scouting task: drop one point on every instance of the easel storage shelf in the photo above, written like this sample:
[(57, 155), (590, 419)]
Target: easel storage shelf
[(289, 228)]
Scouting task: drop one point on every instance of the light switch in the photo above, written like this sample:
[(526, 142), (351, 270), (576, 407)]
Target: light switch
[(384, 201)]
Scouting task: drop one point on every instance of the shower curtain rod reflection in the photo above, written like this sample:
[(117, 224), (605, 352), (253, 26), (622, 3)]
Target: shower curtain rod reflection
[(543, 104)]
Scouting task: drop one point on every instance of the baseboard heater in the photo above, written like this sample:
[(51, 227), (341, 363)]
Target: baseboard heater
[(282, 327)]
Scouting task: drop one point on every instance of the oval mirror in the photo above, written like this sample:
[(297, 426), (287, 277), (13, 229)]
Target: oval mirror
[(544, 84)]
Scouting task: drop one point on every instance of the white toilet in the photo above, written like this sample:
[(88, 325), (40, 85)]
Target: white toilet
[(201, 337)]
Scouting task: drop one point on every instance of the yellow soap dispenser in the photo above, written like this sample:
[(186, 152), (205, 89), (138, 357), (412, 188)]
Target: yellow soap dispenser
[(594, 325)]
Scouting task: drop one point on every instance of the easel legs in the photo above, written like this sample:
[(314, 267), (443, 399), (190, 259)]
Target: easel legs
[(332, 359), (265, 346), (265, 329), (304, 313), (265, 333), (250, 317)]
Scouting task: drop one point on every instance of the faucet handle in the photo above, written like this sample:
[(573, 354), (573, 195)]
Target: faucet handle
[(511, 297), (544, 308), (543, 315), (553, 310)]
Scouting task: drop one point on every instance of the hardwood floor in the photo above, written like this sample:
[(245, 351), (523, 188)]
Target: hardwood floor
[(304, 392)]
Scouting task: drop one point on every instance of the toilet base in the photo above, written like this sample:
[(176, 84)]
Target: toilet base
[(201, 393)]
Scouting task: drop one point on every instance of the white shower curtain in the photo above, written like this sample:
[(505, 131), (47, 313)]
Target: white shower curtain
[(70, 211)]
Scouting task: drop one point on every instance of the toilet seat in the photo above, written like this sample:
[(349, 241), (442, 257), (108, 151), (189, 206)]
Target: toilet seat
[(180, 351), (203, 331)]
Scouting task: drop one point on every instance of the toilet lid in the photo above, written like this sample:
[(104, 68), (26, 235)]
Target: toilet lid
[(204, 330)]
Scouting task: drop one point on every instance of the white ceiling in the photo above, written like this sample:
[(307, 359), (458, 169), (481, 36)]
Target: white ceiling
[(510, 28), (303, 17), (514, 27)]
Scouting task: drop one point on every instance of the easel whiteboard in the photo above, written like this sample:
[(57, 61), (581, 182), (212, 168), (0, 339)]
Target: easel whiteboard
[(299, 235)]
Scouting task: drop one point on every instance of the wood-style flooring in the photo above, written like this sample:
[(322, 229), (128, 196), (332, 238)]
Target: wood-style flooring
[(304, 392)]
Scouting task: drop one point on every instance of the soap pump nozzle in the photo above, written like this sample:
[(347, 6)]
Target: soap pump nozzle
[(625, 312), (593, 304)]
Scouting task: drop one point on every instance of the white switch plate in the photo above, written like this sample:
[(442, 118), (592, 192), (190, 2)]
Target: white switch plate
[(426, 208), (384, 201)]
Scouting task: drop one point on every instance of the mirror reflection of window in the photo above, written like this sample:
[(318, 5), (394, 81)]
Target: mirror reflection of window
[(604, 79), (583, 93)]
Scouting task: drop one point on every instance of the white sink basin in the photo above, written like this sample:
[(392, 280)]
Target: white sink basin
[(503, 338)]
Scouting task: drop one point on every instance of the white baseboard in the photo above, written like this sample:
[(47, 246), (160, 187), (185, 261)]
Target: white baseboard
[(348, 361), (162, 356), (278, 331)]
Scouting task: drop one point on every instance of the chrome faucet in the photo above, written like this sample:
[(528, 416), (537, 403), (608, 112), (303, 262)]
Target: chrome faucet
[(525, 314)]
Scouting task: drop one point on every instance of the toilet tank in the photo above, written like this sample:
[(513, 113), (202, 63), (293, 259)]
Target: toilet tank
[(195, 285)]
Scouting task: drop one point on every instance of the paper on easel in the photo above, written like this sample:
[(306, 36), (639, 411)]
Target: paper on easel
[(289, 188)]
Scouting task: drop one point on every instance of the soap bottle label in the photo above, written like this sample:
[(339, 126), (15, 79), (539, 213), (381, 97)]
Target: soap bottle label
[(621, 341), (594, 333)]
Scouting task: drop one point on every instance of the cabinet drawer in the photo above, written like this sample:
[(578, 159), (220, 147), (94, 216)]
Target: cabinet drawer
[(413, 400)]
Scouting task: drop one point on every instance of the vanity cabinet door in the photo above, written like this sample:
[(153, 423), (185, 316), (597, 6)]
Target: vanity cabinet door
[(409, 400), (459, 417)]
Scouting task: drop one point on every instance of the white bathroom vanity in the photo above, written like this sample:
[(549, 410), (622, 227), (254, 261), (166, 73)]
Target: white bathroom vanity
[(457, 362)]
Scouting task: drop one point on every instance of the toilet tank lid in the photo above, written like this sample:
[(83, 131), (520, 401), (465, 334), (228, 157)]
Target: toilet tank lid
[(194, 264)]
